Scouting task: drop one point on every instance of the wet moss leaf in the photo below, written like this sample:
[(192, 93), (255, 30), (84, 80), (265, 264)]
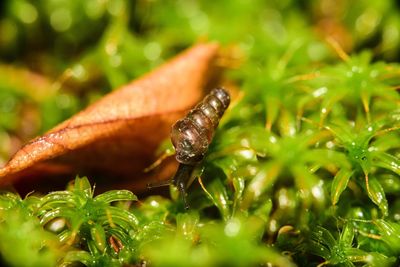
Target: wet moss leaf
[(219, 196), (264, 179), (390, 232), (347, 235), (388, 162), (99, 237), (339, 184), (118, 135), (377, 195)]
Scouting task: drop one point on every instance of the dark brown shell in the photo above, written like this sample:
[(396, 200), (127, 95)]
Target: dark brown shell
[(192, 135)]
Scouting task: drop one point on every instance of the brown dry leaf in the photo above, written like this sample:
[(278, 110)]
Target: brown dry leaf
[(116, 137)]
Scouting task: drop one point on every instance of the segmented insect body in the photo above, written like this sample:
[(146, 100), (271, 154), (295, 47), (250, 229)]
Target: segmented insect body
[(192, 135)]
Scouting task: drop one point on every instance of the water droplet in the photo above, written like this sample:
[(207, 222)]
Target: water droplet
[(394, 164), (359, 214), (355, 69), (154, 204), (283, 200), (79, 72), (320, 91), (94, 9), (330, 144), (367, 21), (27, 13), (247, 153), (252, 170), (374, 74), (273, 225), (111, 48), (272, 139), (116, 60), (115, 7), (56, 225), (292, 130), (152, 51), (318, 190), (61, 19), (369, 258), (232, 228)]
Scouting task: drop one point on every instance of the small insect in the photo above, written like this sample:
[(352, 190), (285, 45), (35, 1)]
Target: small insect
[(192, 135), (115, 243)]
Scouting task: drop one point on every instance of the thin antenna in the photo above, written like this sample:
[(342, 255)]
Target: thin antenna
[(158, 184)]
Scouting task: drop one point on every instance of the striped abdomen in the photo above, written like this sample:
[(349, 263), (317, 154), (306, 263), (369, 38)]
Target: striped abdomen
[(192, 135)]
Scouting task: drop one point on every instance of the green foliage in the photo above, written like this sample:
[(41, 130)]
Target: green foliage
[(23, 242), (341, 252), (82, 220), (234, 243)]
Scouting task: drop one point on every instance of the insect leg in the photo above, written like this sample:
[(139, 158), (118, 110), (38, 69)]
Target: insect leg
[(158, 184), (180, 180)]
